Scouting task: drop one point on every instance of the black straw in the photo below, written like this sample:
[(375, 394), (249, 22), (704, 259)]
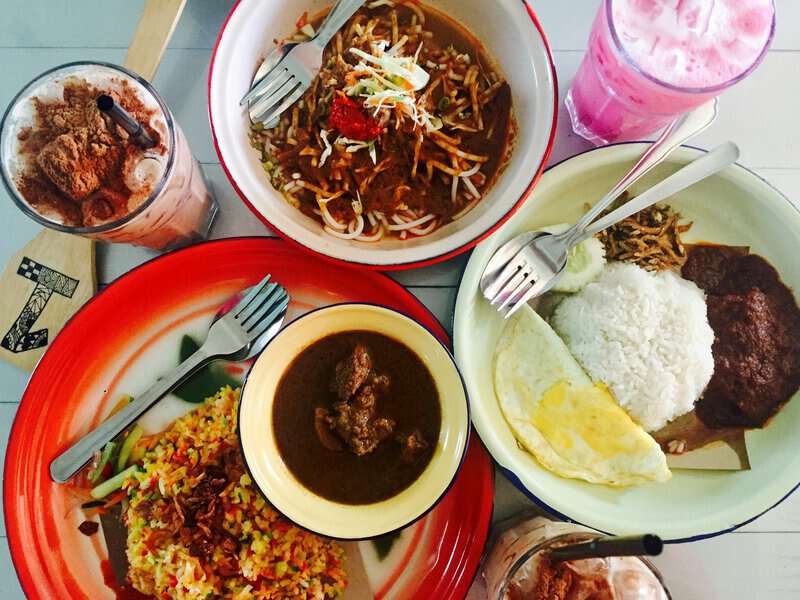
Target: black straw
[(639, 545), (124, 119)]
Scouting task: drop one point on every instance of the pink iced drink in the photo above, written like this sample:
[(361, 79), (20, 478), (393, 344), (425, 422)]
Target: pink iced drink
[(651, 60)]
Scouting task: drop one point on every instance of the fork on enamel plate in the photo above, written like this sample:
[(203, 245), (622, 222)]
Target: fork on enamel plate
[(240, 334)]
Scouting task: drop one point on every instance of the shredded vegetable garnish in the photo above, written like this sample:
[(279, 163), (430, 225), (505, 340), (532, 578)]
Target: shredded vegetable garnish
[(327, 149), (399, 134)]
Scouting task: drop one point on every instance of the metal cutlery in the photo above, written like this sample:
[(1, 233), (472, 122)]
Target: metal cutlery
[(287, 80), (238, 335), (679, 131), (270, 62), (537, 258)]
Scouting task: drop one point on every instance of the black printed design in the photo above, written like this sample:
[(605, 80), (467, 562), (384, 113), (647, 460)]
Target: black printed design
[(19, 337)]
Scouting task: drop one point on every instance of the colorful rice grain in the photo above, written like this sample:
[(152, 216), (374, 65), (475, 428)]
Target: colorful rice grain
[(275, 559)]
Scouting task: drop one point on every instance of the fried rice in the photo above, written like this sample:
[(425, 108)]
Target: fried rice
[(198, 528)]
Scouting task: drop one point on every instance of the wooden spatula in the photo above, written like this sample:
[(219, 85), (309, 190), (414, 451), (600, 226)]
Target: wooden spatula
[(40, 289), (156, 25), (46, 282)]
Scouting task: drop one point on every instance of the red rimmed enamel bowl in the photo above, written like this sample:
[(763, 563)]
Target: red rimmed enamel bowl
[(135, 330), (510, 33)]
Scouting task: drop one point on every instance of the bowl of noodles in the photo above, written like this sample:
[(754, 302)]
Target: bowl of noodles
[(411, 145)]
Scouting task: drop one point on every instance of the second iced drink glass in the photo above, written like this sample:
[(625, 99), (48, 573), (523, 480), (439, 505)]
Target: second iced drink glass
[(651, 60)]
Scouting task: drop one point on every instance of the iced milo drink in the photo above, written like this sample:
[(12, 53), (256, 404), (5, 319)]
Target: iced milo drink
[(70, 167), (519, 568)]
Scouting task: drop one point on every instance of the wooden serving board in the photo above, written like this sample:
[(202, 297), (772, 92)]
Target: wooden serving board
[(46, 282)]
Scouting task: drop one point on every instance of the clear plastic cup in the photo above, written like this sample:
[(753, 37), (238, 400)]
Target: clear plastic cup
[(175, 209), (514, 568), (649, 61)]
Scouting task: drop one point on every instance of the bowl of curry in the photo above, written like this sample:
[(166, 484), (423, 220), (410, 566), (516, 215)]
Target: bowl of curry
[(354, 421)]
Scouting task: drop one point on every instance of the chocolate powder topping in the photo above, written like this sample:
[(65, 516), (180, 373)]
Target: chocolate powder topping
[(78, 158)]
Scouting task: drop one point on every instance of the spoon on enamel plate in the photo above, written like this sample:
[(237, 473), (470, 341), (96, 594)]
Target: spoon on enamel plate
[(531, 263)]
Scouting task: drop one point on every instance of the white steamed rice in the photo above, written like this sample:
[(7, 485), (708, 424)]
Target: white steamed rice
[(646, 336)]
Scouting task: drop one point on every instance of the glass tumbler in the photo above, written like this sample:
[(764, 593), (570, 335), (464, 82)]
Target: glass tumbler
[(517, 566), (178, 209), (649, 61)]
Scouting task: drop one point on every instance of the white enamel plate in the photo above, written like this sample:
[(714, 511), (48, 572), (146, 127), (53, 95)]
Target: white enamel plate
[(735, 207)]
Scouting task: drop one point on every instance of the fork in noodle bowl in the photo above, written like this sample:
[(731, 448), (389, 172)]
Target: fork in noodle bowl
[(404, 129)]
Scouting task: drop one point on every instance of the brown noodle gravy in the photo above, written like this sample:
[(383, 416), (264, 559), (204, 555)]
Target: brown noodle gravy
[(411, 178)]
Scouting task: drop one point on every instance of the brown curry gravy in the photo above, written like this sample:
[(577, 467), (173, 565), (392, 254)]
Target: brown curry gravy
[(412, 402)]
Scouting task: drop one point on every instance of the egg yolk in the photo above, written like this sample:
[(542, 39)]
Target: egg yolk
[(566, 415)]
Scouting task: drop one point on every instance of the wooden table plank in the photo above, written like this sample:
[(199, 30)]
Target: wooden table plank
[(156, 25), (9, 584), (83, 24)]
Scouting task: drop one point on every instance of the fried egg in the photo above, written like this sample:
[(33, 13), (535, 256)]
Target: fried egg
[(573, 426)]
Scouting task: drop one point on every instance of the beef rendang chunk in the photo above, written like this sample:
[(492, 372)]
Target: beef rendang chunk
[(756, 323), (356, 417)]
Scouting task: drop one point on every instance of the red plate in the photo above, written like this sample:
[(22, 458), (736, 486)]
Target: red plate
[(123, 338)]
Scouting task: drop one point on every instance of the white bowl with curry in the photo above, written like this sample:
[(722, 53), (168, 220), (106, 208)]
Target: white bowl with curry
[(354, 421)]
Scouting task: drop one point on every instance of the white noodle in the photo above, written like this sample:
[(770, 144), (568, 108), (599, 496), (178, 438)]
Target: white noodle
[(471, 171), (471, 187), (424, 230), (394, 49), (416, 54), (401, 225), (328, 217), (375, 237), (354, 228), (382, 218), (465, 210)]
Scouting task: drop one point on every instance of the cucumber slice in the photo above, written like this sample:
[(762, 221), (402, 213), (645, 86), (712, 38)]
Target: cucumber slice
[(112, 485), (584, 263), (127, 448), (105, 457)]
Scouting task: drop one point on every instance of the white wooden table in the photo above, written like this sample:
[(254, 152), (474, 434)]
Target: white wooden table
[(762, 560)]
